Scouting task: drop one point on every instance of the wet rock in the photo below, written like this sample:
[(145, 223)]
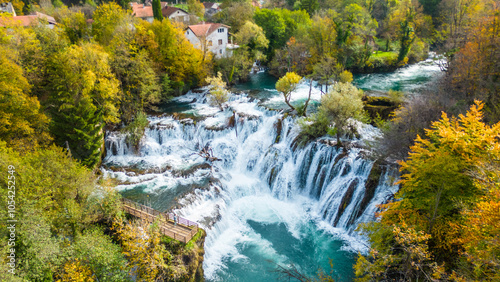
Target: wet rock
[(346, 200)]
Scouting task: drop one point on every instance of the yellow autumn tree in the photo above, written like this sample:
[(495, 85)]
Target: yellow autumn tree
[(22, 124), (481, 227), (438, 191), (141, 244), (172, 53), (286, 85)]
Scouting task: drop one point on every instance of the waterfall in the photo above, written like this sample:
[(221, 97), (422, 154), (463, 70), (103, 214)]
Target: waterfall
[(263, 176)]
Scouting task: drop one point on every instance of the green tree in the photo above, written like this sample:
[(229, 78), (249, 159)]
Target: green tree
[(286, 85), (274, 27), (235, 14), (218, 94), (96, 251), (253, 37), (139, 84), (195, 7), (157, 10), (85, 97), (310, 6), (342, 103)]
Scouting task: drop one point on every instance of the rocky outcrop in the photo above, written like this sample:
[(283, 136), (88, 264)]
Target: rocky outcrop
[(187, 259)]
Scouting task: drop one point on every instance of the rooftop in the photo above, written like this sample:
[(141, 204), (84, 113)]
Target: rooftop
[(205, 29)]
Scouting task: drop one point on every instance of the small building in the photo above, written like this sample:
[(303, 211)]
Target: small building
[(211, 37), (7, 8), (145, 12), (175, 14), (211, 8), (31, 20)]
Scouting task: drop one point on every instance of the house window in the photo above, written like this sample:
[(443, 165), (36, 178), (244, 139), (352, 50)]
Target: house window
[(210, 43), (188, 32), (220, 41), (220, 30), (220, 51)]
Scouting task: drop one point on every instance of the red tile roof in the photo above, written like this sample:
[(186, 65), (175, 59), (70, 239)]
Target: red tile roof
[(141, 11), (31, 19), (205, 29)]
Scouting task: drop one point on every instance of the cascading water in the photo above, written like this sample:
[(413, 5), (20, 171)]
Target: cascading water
[(267, 201)]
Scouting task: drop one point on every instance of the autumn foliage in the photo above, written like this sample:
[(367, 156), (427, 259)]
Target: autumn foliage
[(448, 195)]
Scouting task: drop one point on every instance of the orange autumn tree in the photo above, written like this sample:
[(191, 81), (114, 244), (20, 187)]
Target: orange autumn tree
[(436, 188)]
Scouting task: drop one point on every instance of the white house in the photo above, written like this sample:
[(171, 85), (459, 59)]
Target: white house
[(145, 12), (211, 37), (175, 14)]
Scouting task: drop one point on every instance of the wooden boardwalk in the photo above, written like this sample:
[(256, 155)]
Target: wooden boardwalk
[(183, 231)]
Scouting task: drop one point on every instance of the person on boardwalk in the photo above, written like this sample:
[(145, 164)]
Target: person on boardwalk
[(175, 219)]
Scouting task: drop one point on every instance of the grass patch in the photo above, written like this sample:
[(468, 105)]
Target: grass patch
[(195, 239), (181, 6), (381, 42), (385, 55)]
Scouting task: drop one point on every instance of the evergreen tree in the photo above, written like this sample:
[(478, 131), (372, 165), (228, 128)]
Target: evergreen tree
[(157, 10), (309, 5), (81, 127), (84, 97)]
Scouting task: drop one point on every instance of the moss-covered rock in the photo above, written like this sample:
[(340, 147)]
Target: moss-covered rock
[(186, 259), (383, 106)]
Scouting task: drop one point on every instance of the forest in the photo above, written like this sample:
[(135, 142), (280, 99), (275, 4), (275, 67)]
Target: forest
[(103, 69)]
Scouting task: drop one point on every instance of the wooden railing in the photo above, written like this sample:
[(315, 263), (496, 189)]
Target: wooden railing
[(183, 230)]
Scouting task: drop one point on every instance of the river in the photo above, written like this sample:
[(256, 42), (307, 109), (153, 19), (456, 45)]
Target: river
[(268, 201)]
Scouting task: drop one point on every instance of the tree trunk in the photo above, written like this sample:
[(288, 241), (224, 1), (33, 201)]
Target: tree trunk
[(308, 98)]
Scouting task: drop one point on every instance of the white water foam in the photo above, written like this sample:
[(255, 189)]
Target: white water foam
[(260, 178)]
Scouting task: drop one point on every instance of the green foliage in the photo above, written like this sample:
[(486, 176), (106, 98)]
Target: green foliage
[(195, 7), (80, 111), (39, 253), (340, 104), (135, 129), (139, 85), (157, 10), (274, 27), (310, 6), (252, 36), (316, 125), (235, 68), (96, 251), (235, 14), (218, 94)]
